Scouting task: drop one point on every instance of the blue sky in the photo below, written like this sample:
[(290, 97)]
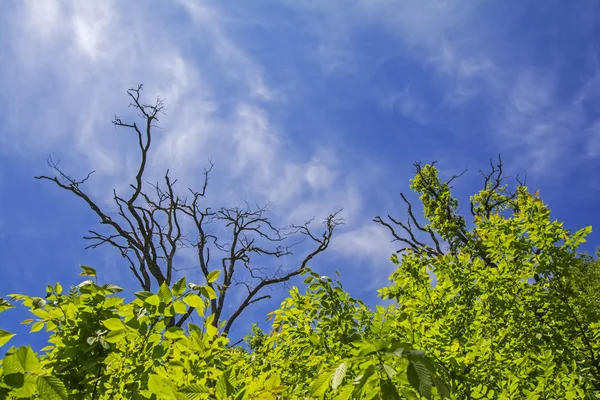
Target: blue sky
[(308, 105)]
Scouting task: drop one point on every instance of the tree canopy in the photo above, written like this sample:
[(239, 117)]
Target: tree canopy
[(497, 304)]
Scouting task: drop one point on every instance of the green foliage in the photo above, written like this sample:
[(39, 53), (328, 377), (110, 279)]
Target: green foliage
[(502, 312), (324, 344)]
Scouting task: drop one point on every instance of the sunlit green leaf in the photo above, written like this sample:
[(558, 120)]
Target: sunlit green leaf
[(51, 388), (213, 276), (5, 337)]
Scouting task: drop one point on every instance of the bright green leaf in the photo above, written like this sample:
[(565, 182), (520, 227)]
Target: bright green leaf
[(209, 292), (37, 326), (115, 336), (164, 293), (174, 332), (58, 288), (51, 388), (213, 276), (20, 360), (153, 300), (113, 324), (193, 300), (5, 337), (320, 384)]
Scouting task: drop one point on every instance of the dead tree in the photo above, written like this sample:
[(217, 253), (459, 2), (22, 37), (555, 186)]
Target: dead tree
[(410, 233), (149, 226)]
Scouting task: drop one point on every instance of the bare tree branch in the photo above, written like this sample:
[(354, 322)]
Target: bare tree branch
[(151, 224), (331, 223)]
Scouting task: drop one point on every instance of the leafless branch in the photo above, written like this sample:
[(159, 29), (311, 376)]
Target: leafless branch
[(151, 223)]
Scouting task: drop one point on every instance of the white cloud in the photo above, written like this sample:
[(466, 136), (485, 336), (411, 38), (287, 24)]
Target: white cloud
[(593, 146), (77, 58), (368, 242), (318, 175), (407, 104)]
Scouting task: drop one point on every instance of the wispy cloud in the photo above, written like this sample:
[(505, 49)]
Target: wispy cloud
[(474, 62), (76, 58), (279, 121)]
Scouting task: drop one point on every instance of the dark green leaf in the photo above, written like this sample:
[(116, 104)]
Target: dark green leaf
[(5, 305), (388, 390), (87, 271), (15, 380), (179, 287), (109, 287), (420, 378)]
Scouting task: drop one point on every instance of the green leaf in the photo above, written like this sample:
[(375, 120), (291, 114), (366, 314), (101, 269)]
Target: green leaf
[(362, 380), (320, 385), (20, 360), (37, 326), (213, 276), (153, 300), (113, 324), (442, 388), (87, 271), (51, 388), (345, 393), (143, 295), (161, 386), (209, 292), (388, 390), (115, 336), (174, 332), (58, 288), (5, 337), (389, 370), (179, 307), (5, 305), (193, 300), (27, 388), (420, 378), (223, 388), (194, 391), (164, 293), (179, 287), (85, 283), (109, 287), (15, 380), (338, 376), (273, 381), (38, 302)]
